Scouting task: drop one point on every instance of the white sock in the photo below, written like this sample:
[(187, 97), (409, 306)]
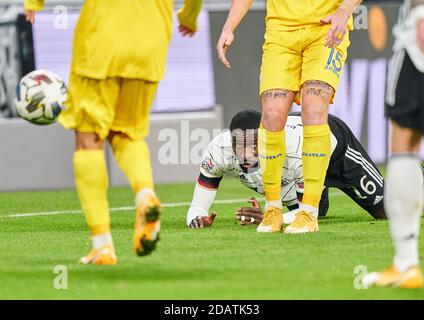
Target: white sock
[(289, 217), (403, 201), (101, 240), (274, 203), (139, 197), (309, 209)]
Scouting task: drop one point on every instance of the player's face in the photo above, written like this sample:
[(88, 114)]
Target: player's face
[(245, 147)]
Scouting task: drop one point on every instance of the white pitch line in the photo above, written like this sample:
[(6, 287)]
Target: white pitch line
[(52, 213), (117, 209)]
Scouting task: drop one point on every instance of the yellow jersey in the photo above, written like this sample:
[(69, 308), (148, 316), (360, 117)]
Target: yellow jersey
[(288, 15), (124, 38)]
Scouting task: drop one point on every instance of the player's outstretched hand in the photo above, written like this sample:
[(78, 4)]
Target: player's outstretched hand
[(338, 29), (250, 215), (225, 41), (420, 34), (202, 222), (186, 31), (30, 16)]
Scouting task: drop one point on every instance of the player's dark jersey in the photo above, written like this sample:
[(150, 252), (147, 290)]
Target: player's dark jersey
[(352, 171)]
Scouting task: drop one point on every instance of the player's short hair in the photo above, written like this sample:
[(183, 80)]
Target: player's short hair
[(246, 119)]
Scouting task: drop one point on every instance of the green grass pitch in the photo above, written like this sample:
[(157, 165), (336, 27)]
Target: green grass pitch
[(226, 261)]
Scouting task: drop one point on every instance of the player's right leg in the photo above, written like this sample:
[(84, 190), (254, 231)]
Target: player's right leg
[(280, 75), (276, 104), (91, 181), (404, 204), (131, 152), (89, 104)]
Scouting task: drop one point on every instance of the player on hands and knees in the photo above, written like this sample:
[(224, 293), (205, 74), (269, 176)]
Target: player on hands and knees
[(404, 190), (235, 153), (111, 90), (302, 60)]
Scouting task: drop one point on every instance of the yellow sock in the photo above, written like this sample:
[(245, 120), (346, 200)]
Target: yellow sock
[(133, 157), (92, 182), (315, 158), (272, 152)]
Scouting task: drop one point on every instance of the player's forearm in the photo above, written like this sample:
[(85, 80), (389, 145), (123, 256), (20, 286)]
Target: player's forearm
[(34, 5), (238, 10), (201, 203), (188, 13), (350, 5)]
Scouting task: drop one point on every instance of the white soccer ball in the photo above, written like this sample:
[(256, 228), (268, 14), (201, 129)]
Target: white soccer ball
[(40, 97)]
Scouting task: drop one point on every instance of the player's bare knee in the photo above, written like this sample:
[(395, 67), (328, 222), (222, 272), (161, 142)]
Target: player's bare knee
[(314, 113), (276, 104), (273, 119), (88, 141)]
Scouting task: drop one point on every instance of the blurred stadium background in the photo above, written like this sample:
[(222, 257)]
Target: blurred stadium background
[(197, 92)]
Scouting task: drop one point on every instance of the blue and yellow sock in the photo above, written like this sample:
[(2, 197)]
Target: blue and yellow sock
[(272, 152), (315, 157), (92, 183)]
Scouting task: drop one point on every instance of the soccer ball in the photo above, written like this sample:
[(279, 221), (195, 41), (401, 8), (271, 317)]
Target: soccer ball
[(40, 97)]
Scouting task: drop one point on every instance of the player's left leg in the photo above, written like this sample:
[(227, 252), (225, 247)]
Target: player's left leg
[(132, 154), (133, 157), (316, 96), (324, 205), (321, 69)]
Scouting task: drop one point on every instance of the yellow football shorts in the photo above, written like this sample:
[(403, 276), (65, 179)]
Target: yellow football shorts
[(117, 104), (292, 57)]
